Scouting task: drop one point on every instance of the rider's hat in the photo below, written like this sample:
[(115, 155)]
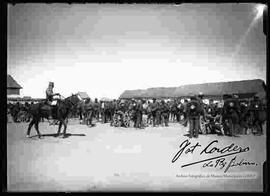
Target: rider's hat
[(51, 84)]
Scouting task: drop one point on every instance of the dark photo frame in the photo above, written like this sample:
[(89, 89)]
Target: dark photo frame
[(101, 96)]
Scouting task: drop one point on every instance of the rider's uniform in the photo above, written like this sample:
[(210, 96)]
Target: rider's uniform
[(51, 101), (49, 96)]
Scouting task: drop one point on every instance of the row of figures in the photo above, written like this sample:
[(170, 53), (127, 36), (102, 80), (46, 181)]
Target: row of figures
[(230, 117), (233, 117)]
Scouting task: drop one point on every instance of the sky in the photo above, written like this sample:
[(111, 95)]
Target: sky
[(105, 49)]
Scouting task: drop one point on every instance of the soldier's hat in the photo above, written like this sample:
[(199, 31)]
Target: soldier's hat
[(51, 84)]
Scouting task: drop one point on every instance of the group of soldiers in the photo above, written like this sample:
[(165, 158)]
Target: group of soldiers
[(230, 116), (19, 111)]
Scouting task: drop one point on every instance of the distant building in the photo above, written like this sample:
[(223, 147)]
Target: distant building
[(244, 89), (82, 95), (13, 88)]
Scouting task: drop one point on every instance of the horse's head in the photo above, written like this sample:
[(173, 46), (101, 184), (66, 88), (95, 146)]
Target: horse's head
[(73, 100)]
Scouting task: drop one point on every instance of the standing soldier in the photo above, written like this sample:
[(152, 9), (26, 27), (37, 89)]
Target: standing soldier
[(102, 111), (165, 110), (133, 111), (185, 112), (230, 115), (96, 109), (149, 112), (88, 111), (154, 108), (145, 112), (244, 116), (158, 113), (194, 110), (113, 108), (200, 99), (80, 110), (107, 110), (174, 110), (255, 109), (138, 114)]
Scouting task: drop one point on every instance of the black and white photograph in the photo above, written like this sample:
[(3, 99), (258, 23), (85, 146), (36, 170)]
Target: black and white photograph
[(107, 97)]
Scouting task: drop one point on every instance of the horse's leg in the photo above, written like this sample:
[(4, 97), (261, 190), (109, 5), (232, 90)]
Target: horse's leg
[(87, 118), (59, 128), (80, 114), (36, 127), (29, 127), (65, 127)]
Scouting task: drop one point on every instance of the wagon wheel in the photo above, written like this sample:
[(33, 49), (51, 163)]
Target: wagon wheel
[(126, 120), (202, 126), (116, 121)]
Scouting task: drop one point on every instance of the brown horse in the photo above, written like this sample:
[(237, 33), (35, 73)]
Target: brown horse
[(63, 108)]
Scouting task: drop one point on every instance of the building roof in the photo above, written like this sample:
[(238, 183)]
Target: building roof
[(217, 89), (11, 83), (83, 95)]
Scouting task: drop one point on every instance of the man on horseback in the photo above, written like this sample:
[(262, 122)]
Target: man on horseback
[(51, 102)]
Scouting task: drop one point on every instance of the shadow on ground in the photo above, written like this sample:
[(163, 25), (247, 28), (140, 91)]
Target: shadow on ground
[(56, 135)]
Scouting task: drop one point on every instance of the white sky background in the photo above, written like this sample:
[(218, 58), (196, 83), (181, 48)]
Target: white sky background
[(104, 49)]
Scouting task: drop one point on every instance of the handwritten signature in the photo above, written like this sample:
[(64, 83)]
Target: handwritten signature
[(217, 161)]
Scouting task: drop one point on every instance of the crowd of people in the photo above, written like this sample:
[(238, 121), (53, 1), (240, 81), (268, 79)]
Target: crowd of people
[(230, 116), (18, 111)]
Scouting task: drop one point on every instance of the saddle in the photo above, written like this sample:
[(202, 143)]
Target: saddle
[(49, 107)]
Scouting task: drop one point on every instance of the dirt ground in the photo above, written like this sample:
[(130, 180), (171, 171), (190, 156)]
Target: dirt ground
[(105, 158)]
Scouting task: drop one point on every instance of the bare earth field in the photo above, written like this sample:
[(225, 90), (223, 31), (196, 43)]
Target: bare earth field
[(104, 158)]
